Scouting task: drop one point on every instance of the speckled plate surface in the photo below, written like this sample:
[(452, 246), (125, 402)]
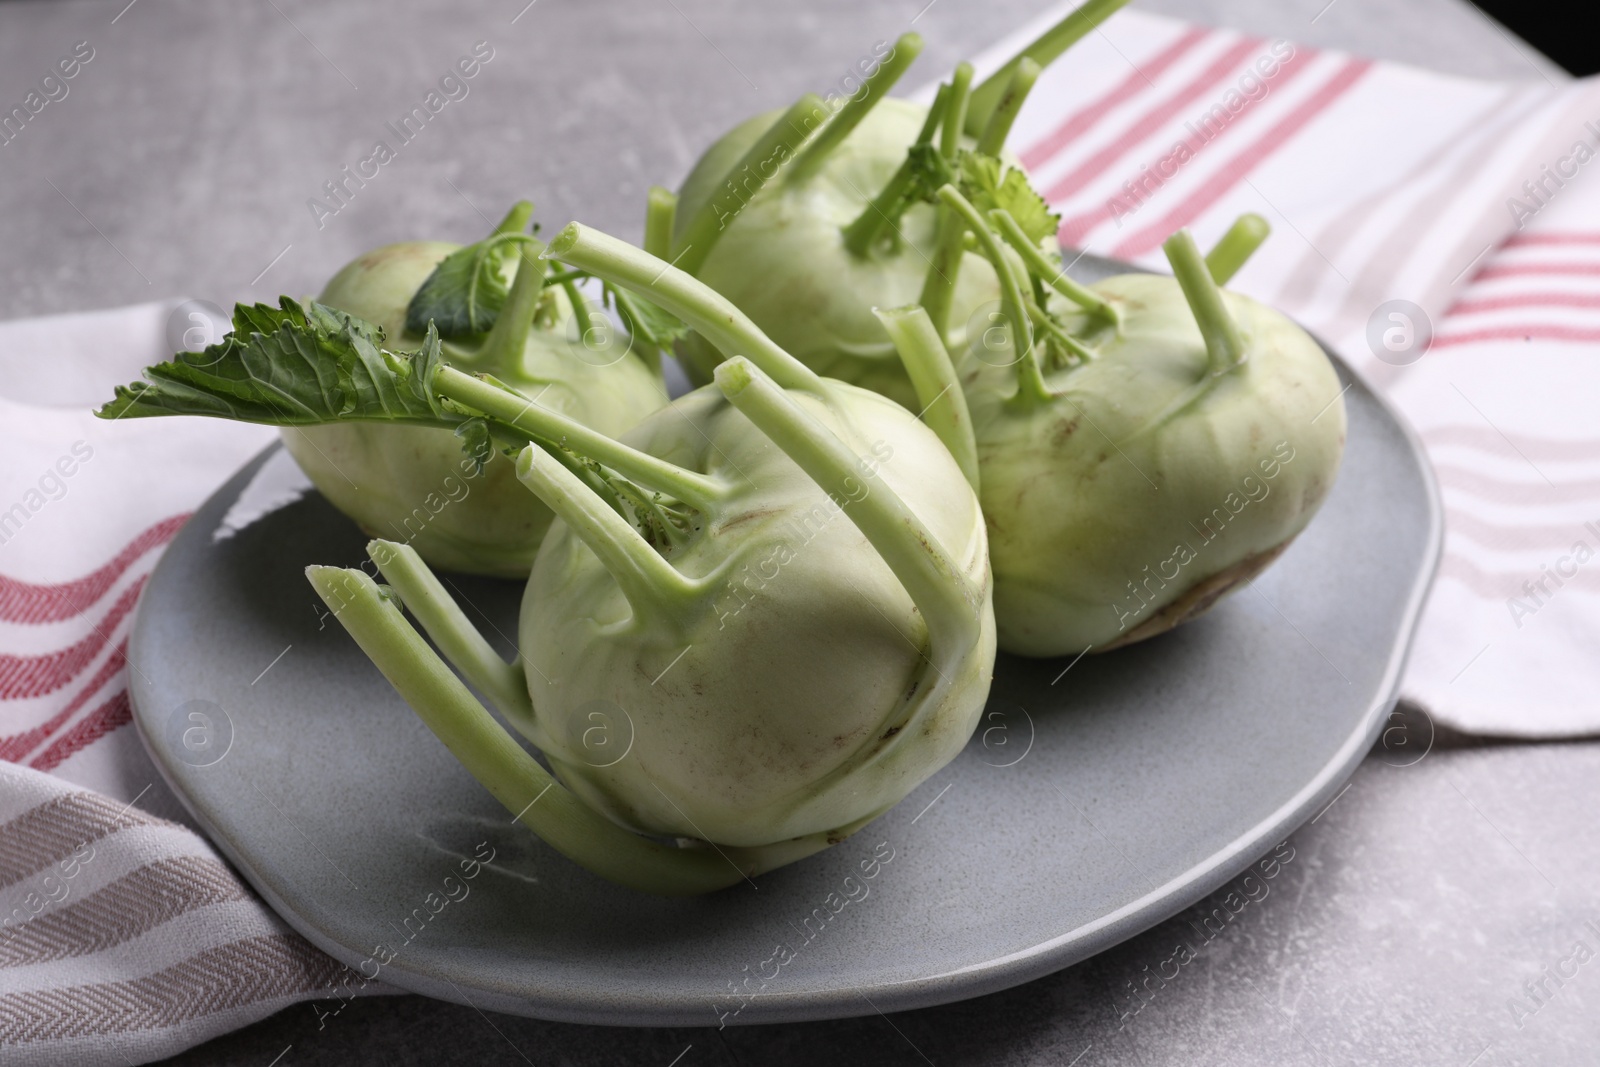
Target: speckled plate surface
[(1092, 803)]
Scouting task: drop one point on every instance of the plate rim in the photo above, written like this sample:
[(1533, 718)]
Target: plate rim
[(972, 980)]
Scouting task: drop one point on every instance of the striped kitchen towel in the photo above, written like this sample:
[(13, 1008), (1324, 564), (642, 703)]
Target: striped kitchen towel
[(125, 937), (1505, 399)]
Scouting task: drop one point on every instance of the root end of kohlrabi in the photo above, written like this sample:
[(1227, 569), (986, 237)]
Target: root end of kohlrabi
[(1199, 599)]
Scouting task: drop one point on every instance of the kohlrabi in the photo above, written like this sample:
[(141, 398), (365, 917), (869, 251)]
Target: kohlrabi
[(1142, 454), (763, 618), (810, 218), (497, 313)]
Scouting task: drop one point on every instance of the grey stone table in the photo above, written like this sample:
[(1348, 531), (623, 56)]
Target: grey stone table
[(1429, 916)]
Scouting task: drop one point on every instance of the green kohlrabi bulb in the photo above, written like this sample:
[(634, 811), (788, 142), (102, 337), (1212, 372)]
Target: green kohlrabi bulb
[(783, 258), (788, 665), (766, 689), (1179, 447), (761, 620), (414, 484), (810, 218), (763, 616)]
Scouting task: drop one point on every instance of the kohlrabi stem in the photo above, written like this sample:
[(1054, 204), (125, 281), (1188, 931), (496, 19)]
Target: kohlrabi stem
[(1224, 345), (955, 112), (1042, 321), (1052, 274), (933, 376), (944, 270), (1030, 380), (582, 317), (658, 591), (508, 337), (938, 586), (647, 504), (856, 107), (998, 128), (461, 642), (660, 208), (886, 208), (513, 409), (1236, 246), (516, 220), (759, 165), (492, 756), (671, 288), (1043, 51)]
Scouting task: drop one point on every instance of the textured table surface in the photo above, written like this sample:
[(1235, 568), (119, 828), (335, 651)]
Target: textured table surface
[(1426, 917)]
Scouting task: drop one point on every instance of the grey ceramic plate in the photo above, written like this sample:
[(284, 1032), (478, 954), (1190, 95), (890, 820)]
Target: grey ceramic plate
[(1091, 804)]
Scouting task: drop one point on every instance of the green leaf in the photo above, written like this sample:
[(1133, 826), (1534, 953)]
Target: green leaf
[(645, 321), (930, 172), (990, 184), (475, 441), (292, 366), (985, 181), (464, 294)]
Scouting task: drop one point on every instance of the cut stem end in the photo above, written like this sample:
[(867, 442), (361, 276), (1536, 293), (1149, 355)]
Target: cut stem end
[(1247, 234)]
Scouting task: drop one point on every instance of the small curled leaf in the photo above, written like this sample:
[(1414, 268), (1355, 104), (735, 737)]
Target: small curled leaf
[(466, 291), (990, 184), (476, 442)]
